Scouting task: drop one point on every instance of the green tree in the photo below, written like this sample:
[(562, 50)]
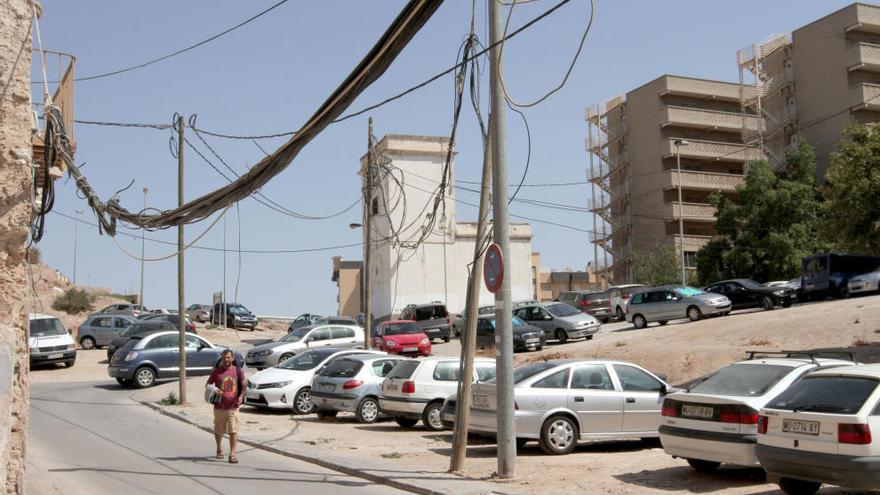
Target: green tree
[(773, 225), (851, 209), (657, 266)]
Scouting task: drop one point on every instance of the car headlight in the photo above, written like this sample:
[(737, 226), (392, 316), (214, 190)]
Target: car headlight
[(390, 343), (71, 347), (236, 317), (278, 384), (130, 356), (779, 293), (425, 341)]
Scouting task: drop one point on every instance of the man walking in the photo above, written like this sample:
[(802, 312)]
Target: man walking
[(229, 379)]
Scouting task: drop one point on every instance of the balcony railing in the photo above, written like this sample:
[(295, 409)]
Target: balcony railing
[(865, 18), (696, 212), (691, 242), (864, 96), (702, 181), (708, 119), (863, 56), (713, 150), (703, 88)]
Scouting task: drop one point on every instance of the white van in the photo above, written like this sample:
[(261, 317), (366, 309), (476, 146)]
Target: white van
[(49, 341)]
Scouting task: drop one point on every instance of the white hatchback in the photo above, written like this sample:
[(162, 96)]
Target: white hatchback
[(819, 431), (416, 389), (715, 420)]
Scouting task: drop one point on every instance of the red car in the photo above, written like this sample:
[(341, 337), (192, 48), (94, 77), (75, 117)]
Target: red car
[(403, 337)]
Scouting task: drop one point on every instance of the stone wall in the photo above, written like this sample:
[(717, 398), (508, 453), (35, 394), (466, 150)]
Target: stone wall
[(15, 162)]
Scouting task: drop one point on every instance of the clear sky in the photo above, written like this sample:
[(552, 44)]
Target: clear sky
[(270, 75)]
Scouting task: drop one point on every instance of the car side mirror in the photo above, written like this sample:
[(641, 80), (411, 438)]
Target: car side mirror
[(548, 317), (664, 389)]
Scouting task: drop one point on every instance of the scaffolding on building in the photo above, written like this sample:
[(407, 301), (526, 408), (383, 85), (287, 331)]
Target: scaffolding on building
[(604, 196), (766, 77)]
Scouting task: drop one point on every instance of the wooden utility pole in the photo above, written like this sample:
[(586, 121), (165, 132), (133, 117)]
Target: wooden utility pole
[(181, 307), (368, 238), (469, 337)]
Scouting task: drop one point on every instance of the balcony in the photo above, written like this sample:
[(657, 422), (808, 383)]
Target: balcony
[(692, 243), (693, 212), (704, 88), (864, 18), (713, 150), (864, 96), (702, 181), (864, 56), (707, 119)]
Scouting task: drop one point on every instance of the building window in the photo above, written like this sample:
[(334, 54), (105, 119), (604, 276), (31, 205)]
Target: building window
[(374, 207), (690, 259)]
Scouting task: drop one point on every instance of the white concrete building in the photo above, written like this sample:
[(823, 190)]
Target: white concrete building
[(406, 180)]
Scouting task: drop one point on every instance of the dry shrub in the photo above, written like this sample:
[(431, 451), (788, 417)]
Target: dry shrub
[(762, 342), (861, 343), (549, 356)]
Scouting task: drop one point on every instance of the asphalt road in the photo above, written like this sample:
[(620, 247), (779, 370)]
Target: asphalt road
[(90, 438)]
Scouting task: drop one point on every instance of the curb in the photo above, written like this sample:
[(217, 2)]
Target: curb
[(401, 485)]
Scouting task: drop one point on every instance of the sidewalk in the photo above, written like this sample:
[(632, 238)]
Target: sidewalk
[(308, 440)]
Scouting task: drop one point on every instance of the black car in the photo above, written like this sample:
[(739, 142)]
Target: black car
[(432, 318), (525, 337), (140, 328), (745, 293), (237, 316)]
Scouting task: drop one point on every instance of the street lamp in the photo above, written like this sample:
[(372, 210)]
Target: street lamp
[(143, 243), (678, 144), (75, 225)]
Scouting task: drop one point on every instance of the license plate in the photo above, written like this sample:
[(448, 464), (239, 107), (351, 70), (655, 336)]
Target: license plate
[(697, 411), (481, 401), (532, 341), (55, 356), (410, 349), (329, 387), (391, 386), (800, 426), (252, 395)]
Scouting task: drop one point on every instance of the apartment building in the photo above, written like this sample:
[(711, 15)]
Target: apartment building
[(633, 142), (810, 84)]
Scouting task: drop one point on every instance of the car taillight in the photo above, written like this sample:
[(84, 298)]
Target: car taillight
[(352, 384), (408, 388), (762, 425), (858, 434), (743, 415), (515, 406), (669, 408), (584, 303), (625, 296)]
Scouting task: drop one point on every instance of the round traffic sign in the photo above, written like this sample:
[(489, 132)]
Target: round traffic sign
[(493, 268)]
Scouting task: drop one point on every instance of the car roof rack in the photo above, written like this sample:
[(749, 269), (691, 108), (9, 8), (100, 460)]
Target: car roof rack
[(812, 355)]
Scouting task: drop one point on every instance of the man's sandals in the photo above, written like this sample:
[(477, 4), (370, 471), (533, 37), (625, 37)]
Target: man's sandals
[(233, 459)]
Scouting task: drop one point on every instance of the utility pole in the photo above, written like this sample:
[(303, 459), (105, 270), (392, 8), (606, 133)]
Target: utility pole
[(678, 144), (143, 246), (75, 235), (469, 337), (181, 308), (223, 298), (503, 306), (368, 228)]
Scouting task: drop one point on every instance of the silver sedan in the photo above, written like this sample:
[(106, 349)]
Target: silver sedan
[(559, 402)]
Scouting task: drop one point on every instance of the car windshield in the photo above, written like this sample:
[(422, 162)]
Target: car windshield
[(742, 380), (833, 394), (562, 310), (430, 312), (402, 329), (688, 291), (749, 284), (45, 327), (306, 361), (527, 371), (238, 310), (295, 335), (342, 368)]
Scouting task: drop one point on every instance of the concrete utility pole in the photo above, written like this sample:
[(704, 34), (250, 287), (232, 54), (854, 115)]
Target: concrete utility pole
[(181, 306), (223, 297), (75, 241), (469, 337), (503, 305), (368, 230), (143, 249)]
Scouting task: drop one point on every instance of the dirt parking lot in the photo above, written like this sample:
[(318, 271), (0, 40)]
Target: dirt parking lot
[(681, 350)]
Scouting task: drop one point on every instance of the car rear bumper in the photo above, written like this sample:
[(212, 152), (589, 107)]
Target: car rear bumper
[(438, 332), (335, 402), (124, 372), (709, 445), (52, 357), (716, 310), (849, 472), (402, 407), (577, 333)]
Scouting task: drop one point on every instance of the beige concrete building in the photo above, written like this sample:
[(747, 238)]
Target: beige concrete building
[(811, 84), (631, 144), (347, 275)]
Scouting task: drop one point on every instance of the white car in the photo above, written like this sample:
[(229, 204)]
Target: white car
[(288, 385), (302, 339), (866, 282), (819, 431), (415, 390), (716, 420)]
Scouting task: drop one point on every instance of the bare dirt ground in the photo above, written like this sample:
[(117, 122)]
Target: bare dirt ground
[(680, 350)]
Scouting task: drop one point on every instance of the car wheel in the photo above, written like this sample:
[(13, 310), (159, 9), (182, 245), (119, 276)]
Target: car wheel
[(144, 377), (767, 303), (367, 411), (446, 339), (302, 402), (639, 321), (69, 363), (619, 314), (662, 322), (540, 347), (431, 417), (786, 304), (605, 320), (792, 486), (561, 336), (326, 413), (558, 435), (125, 382), (285, 357), (704, 466), (406, 422), (694, 313), (87, 343)]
